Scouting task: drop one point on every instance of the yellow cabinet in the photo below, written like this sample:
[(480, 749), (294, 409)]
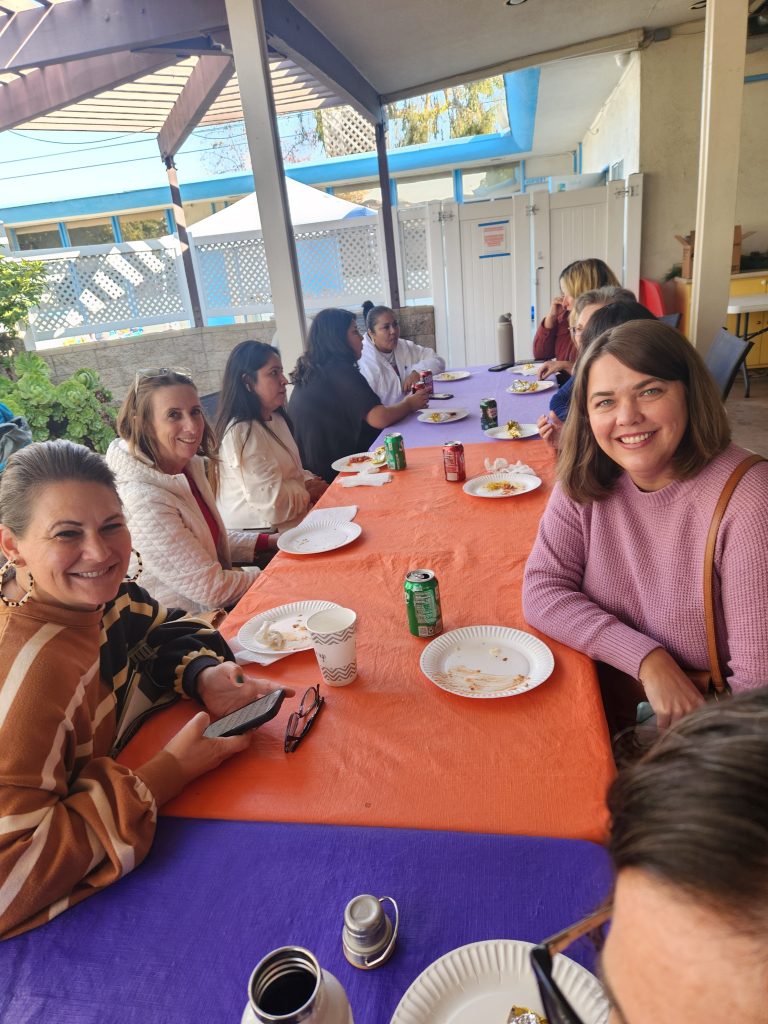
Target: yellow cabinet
[(754, 283)]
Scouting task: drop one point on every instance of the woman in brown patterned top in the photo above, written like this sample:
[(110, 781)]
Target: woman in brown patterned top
[(72, 820)]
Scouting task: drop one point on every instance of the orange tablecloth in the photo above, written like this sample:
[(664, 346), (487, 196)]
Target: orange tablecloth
[(391, 748)]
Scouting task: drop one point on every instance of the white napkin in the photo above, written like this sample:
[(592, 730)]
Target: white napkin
[(502, 466), (244, 657), (366, 480), (344, 513)]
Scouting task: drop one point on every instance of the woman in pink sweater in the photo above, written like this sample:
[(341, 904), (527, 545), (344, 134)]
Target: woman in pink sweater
[(617, 568)]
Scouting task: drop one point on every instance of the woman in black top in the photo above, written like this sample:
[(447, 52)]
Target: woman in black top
[(333, 408)]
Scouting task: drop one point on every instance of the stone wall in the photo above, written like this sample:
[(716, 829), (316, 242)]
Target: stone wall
[(202, 350)]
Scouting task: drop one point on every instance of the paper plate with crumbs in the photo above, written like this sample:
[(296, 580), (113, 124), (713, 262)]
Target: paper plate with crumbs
[(442, 415), (318, 535), (481, 982), (363, 462), (452, 375), (281, 630), (530, 387), (513, 431), (501, 485), (525, 368), (487, 662)]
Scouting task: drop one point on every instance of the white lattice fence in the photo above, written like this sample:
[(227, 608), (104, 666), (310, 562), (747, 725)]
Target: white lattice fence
[(345, 132), (414, 254), (100, 288), (339, 265)]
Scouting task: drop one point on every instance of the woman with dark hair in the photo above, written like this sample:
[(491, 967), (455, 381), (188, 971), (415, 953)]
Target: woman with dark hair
[(689, 845), (593, 312), (617, 568), (553, 340), (73, 820), (390, 363), (159, 462), (333, 408), (261, 482)]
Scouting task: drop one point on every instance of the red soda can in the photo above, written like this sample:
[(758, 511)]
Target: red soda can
[(453, 461), (425, 376), (420, 385)]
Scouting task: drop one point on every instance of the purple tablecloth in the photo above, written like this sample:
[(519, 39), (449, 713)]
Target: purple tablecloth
[(175, 941), (467, 394)]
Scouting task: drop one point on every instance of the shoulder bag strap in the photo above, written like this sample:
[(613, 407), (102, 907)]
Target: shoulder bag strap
[(718, 679)]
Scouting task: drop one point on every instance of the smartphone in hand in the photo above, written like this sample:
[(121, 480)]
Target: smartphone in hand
[(249, 717)]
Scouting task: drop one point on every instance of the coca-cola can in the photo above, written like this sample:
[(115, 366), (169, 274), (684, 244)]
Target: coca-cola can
[(420, 385), (453, 461), (425, 376)]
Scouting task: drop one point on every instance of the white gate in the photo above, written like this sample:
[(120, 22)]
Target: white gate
[(506, 256)]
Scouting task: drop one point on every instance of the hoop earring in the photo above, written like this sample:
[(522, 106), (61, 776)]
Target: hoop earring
[(139, 569), (11, 564)]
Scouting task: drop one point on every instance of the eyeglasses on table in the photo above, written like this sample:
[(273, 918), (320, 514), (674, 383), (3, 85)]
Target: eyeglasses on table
[(300, 722), (557, 1009)]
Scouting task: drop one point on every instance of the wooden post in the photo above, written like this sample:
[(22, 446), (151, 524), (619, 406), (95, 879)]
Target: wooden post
[(181, 228)]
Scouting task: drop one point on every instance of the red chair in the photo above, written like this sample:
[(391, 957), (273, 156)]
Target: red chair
[(651, 296)]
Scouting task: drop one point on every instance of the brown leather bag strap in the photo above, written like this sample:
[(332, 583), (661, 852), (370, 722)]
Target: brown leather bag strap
[(718, 679)]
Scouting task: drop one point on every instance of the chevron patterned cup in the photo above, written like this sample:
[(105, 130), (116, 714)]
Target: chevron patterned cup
[(333, 632)]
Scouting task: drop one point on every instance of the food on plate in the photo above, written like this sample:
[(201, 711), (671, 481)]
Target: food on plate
[(379, 455), (528, 367), (522, 1015), (503, 487), (269, 637), (513, 429), (523, 386), (447, 376), (357, 460)]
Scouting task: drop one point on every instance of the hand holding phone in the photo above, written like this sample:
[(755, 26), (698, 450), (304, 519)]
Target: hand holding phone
[(249, 717)]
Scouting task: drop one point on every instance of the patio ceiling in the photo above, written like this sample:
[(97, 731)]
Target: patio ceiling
[(130, 65)]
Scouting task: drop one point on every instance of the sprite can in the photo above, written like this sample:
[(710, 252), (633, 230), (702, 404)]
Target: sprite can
[(395, 451), (422, 599)]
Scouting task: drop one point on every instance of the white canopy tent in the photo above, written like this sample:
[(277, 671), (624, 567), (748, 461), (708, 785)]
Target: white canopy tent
[(307, 205)]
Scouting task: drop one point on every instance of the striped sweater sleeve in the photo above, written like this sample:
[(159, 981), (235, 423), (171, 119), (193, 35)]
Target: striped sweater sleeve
[(71, 820)]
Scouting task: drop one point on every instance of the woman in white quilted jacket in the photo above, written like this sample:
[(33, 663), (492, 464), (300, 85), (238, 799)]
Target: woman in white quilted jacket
[(158, 461)]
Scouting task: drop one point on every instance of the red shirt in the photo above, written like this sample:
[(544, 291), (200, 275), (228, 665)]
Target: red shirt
[(209, 517), (555, 342)]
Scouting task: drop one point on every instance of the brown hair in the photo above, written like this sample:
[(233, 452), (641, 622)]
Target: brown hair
[(694, 811), (586, 275), (43, 463), (134, 421), (598, 297), (649, 347)]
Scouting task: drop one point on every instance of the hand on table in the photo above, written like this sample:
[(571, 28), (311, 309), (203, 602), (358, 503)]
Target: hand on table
[(418, 401), (553, 366), (410, 380), (550, 427), (223, 688), (316, 487), (670, 692)]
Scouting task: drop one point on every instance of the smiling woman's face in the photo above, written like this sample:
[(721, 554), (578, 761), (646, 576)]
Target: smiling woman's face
[(668, 957), (177, 425), (76, 546)]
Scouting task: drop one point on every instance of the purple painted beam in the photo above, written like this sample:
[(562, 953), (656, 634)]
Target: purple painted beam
[(52, 88), (204, 85)]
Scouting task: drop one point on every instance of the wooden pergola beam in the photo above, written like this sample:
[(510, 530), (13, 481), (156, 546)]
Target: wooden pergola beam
[(203, 87)]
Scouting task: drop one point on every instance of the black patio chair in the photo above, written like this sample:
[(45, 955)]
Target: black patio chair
[(671, 319), (726, 354)]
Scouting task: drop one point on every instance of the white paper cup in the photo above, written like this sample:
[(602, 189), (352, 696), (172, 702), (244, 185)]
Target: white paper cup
[(333, 632)]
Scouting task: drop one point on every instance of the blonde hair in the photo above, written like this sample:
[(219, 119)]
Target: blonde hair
[(134, 421), (586, 275)]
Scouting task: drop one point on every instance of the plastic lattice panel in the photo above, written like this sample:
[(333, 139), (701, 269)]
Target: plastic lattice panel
[(413, 247), (90, 290), (346, 132)]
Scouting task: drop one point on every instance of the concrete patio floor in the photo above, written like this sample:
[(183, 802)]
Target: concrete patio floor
[(749, 416)]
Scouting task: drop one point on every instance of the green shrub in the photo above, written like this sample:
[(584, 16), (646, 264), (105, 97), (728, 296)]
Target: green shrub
[(22, 285), (79, 408)]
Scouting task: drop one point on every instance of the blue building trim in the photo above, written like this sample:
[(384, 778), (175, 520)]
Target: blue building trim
[(755, 78), (63, 235), (117, 231), (458, 186), (522, 89)]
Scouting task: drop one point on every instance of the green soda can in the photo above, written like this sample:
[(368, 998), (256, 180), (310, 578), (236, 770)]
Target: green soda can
[(395, 451), (489, 416), (422, 599)]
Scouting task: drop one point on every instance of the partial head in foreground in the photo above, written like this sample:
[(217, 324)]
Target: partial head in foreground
[(689, 842)]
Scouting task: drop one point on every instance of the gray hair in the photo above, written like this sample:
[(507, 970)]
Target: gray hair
[(41, 464)]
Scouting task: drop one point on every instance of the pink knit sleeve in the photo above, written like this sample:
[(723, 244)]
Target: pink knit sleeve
[(553, 601), (743, 572)]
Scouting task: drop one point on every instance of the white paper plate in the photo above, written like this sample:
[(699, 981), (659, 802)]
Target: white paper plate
[(452, 375), (523, 482), (317, 536), (486, 661), (344, 466), (445, 415), (526, 369), (526, 430), (288, 619), (541, 385), (479, 984)]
